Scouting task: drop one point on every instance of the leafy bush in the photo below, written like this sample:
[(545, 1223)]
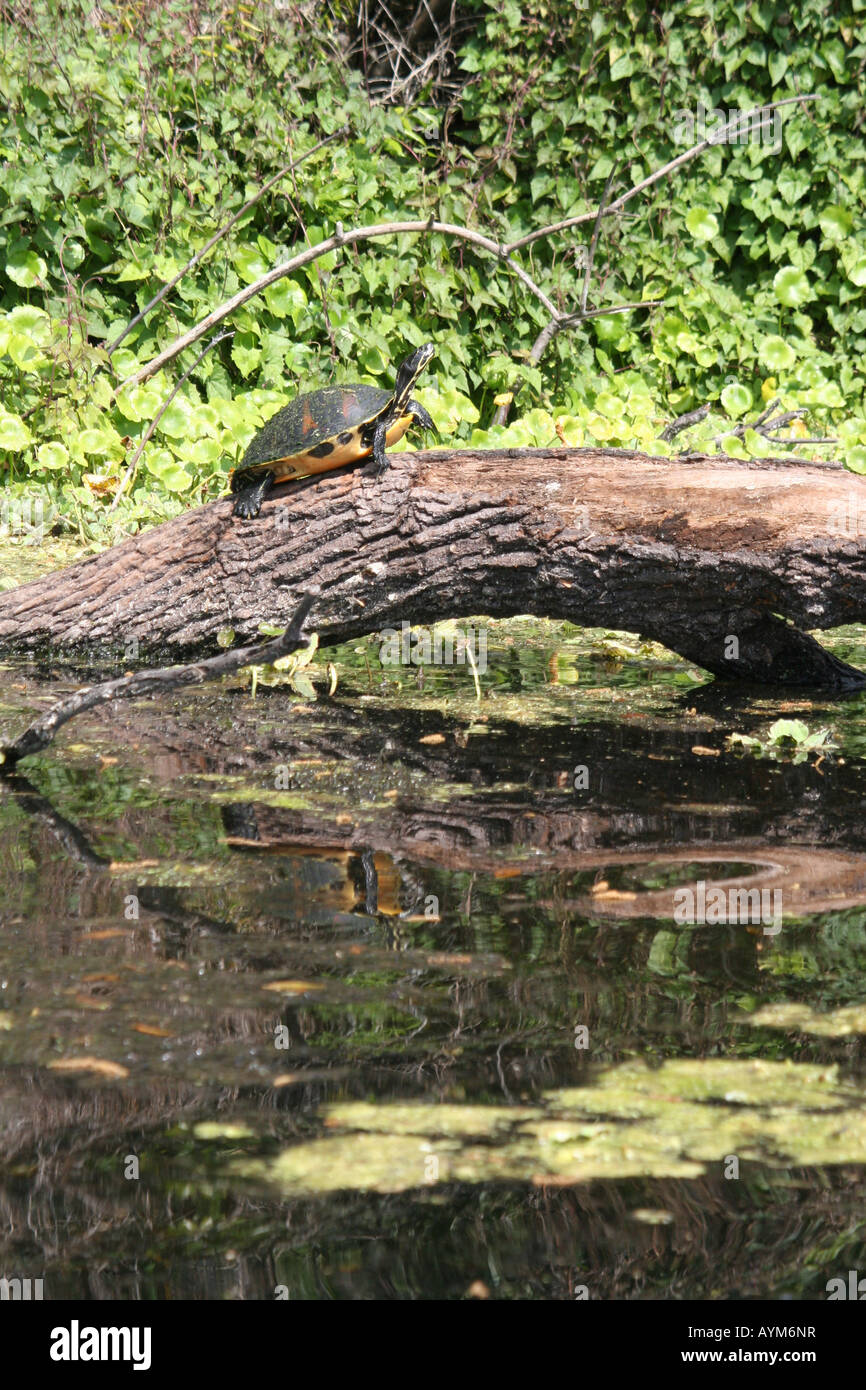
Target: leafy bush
[(130, 133)]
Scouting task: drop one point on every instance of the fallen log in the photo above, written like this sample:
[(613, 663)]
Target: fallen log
[(727, 563)]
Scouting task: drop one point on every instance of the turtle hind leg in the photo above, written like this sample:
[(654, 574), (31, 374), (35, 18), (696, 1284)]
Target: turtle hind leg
[(249, 500), (417, 410)]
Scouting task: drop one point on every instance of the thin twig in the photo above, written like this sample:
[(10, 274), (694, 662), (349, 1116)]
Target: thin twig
[(780, 421), (592, 245), (763, 425), (133, 463), (765, 414), (39, 734)]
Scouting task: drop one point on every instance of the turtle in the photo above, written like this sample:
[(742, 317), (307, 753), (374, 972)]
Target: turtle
[(328, 429)]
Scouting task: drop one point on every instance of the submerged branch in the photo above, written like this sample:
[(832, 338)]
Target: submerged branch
[(40, 733)]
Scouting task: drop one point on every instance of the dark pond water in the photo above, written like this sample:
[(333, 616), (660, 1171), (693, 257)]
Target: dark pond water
[(400, 993)]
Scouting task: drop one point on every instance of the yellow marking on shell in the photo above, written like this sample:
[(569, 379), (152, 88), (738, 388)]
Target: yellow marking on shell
[(303, 466)]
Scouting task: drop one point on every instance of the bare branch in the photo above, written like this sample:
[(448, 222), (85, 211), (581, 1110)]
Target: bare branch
[(684, 422), (569, 320), (502, 252), (312, 253), (714, 139)]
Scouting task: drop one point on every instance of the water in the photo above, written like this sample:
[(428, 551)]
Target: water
[(385, 995)]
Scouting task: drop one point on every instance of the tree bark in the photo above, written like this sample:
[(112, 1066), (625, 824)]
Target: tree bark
[(723, 561)]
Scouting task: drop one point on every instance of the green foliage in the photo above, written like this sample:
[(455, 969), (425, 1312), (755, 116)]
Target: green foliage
[(786, 738), (288, 670), (130, 133)]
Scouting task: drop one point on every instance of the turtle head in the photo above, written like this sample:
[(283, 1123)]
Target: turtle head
[(408, 373)]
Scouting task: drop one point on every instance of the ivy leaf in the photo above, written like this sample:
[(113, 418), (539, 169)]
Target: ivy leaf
[(245, 354), (623, 67), (286, 299), (53, 455), (24, 267), (833, 53), (14, 434), (25, 353), (857, 271), (836, 222), (778, 65), (132, 271), (736, 399), (249, 263), (791, 287), (702, 224)]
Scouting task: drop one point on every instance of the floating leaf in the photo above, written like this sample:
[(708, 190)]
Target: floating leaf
[(111, 1070), (291, 986)]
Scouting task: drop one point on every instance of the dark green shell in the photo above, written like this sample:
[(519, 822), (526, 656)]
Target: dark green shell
[(314, 419)]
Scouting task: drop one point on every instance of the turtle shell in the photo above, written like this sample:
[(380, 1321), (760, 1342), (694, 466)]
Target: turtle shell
[(323, 425)]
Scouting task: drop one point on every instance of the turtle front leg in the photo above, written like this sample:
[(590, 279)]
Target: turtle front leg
[(250, 498), (417, 410), (380, 458)]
